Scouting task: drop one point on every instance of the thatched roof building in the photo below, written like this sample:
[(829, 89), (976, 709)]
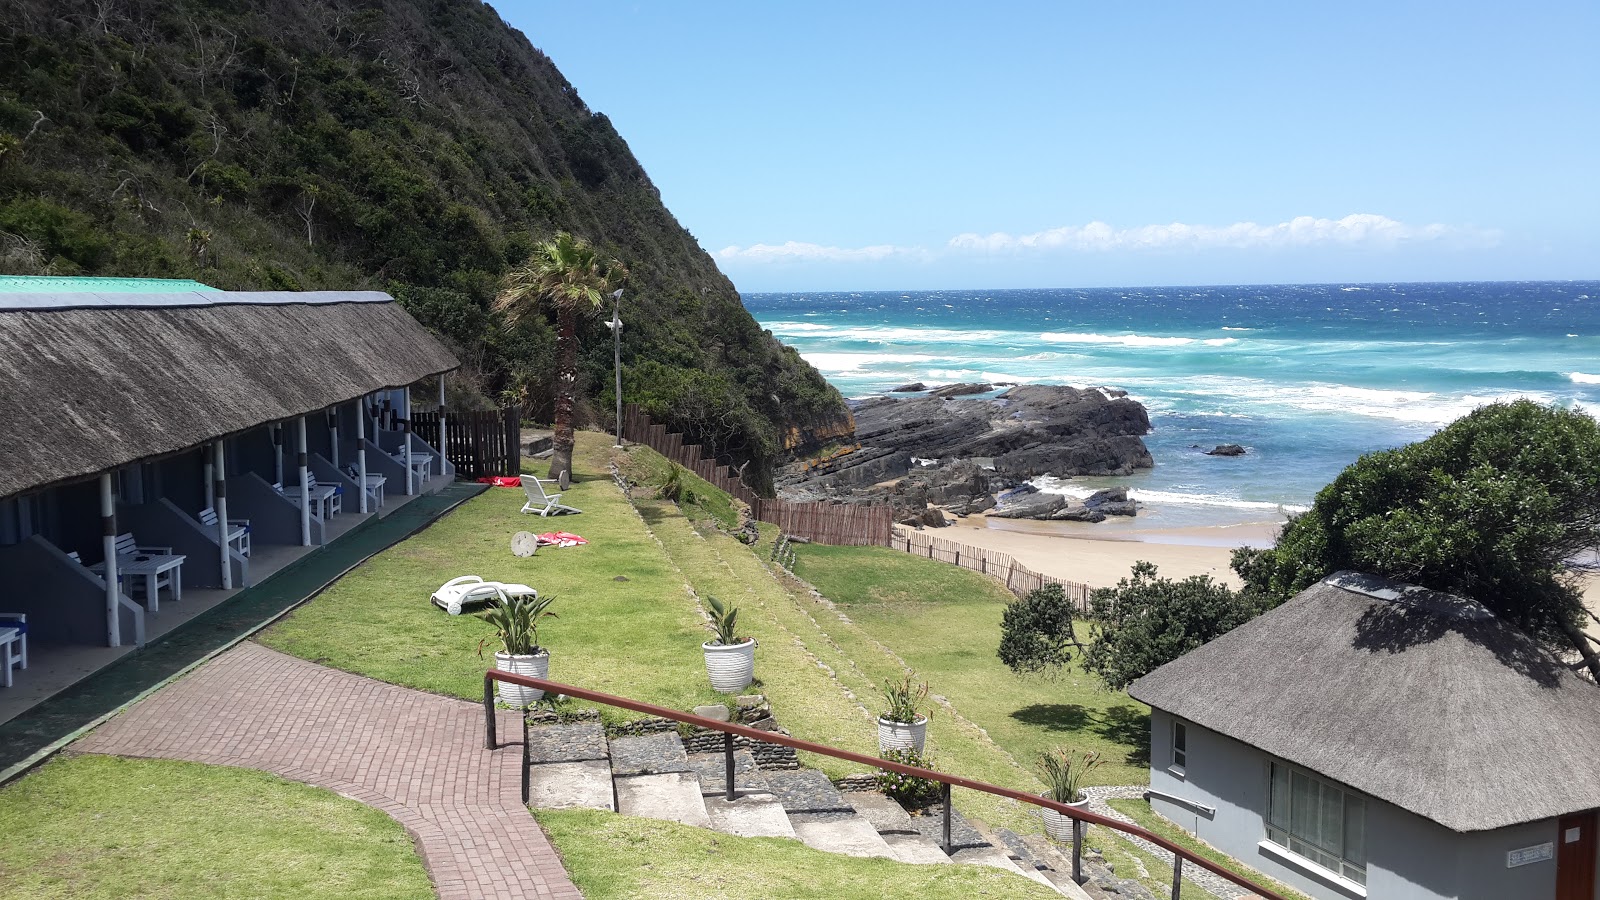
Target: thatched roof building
[(1421, 699), (95, 380)]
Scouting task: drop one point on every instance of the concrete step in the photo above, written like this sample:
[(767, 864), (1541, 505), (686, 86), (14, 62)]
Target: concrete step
[(837, 832), (893, 824), (713, 771), (673, 796), (648, 754), (750, 815), (570, 767)]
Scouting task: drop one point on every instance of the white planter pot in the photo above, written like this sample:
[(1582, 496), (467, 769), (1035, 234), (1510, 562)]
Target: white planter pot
[(536, 665), (894, 735), (731, 667), (1059, 825)]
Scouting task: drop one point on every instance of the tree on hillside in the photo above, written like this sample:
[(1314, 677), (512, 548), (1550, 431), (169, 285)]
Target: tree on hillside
[(1495, 506), (1144, 622), (567, 275)]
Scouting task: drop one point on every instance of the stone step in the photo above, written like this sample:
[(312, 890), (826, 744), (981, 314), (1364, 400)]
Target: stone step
[(757, 814), (648, 754), (570, 767), (806, 791), (673, 796), (893, 824), (713, 771)]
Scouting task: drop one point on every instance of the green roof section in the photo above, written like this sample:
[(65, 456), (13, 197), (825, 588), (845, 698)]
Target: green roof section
[(50, 284)]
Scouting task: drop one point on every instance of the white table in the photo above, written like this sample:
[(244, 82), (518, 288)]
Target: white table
[(421, 463), (374, 487), (7, 635), (152, 566), (321, 498)]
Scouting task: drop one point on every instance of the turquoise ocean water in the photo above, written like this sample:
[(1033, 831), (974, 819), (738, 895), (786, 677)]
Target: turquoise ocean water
[(1308, 377)]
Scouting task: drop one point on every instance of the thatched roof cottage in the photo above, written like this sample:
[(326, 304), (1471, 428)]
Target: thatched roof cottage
[(1370, 738)]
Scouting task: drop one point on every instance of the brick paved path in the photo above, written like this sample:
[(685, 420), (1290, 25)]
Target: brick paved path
[(416, 756)]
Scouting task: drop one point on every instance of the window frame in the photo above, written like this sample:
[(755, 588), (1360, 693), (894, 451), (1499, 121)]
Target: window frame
[(1281, 834), (1179, 746)]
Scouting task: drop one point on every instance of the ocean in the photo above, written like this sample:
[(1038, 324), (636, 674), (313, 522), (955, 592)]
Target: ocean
[(1307, 377)]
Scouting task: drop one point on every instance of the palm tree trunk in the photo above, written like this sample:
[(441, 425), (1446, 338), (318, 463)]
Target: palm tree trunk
[(566, 386)]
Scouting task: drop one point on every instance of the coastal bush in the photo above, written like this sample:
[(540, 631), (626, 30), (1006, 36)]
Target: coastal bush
[(1144, 622), (1496, 506)]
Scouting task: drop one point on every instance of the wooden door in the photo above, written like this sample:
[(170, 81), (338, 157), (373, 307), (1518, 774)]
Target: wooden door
[(1575, 857)]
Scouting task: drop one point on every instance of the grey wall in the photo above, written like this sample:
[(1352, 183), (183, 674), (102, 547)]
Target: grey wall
[(273, 519), (65, 602), (163, 524), (1408, 857)]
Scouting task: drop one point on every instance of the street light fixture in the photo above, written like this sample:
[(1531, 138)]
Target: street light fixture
[(616, 352)]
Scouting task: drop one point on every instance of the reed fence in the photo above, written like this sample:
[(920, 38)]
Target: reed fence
[(1018, 578), (822, 523)]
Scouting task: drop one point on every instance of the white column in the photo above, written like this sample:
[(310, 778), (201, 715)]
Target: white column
[(333, 434), (405, 437), (361, 450), (219, 467), (444, 442), (305, 483), (207, 478), (277, 453), (108, 527)]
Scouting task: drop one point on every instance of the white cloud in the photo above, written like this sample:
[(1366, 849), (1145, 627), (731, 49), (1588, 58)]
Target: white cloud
[(1357, 230), (1361, 229), (798, 251)]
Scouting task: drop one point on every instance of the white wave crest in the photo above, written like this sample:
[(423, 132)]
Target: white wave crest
[(1051, 485), (1583, 378), (1129, 340), (848, 363)]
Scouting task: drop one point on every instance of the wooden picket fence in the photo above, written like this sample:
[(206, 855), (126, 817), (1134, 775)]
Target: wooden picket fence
[(824, 523), (481, 443), (1018, 578)]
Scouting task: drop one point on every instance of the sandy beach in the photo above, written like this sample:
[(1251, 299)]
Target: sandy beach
[(1100, 554)]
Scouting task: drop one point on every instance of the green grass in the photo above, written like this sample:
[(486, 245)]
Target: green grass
[(104, 827), (945, 622), (1148, 819), (625, 622), (612, 856), (703, 500)]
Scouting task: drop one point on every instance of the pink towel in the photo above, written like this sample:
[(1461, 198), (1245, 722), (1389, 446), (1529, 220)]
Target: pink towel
[(561, 539)]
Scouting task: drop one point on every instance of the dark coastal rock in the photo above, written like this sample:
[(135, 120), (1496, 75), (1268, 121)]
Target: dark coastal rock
[(1226, 450), (961, 390), (1040, 506), (911, 388), (1078, 514), (927, 517)]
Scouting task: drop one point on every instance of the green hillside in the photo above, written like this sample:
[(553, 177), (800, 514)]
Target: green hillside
[(413, 146)]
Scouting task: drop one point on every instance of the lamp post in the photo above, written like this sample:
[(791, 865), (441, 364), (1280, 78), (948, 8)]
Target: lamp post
[(616, 353)]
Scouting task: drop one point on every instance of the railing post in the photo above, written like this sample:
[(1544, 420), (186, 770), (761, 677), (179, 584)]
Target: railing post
[(527, 763), (1077, 851), (944, 796), (489, 741), (1177, 875), (727, 753)]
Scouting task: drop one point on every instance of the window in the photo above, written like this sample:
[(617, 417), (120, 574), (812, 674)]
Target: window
[(1180, 745), (1318, 821)]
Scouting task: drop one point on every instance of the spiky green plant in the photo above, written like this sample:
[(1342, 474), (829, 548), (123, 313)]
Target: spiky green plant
[(1063, 771), (724, 621), (516, 622), (904, 700)]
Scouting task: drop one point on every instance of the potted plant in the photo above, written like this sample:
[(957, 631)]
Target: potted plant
[(903, 725), (730, 659), (516, 625), (1063, 772)]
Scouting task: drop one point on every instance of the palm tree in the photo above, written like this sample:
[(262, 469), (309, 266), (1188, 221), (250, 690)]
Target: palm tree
[(569, 275)]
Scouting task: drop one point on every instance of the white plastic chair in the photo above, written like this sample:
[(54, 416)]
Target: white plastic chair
[(17, 643), (540, 502), (458, 592)]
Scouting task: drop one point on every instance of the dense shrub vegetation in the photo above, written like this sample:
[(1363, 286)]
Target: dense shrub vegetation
[(415, 146)]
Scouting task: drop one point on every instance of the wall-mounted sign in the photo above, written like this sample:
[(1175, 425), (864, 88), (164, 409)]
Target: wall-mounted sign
[(1537, 853)]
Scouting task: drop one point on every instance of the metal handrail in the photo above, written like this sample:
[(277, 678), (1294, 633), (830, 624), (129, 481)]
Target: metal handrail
[(1079, 816)]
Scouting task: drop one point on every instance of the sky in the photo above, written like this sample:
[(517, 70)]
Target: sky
[(894, 145)]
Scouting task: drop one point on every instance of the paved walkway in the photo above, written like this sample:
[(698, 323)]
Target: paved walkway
[(416, 756)]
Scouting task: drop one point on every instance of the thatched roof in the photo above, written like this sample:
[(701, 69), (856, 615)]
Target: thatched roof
[(94, 381), (1418, 698)]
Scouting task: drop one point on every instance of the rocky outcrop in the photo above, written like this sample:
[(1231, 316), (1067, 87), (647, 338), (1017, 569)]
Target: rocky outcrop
[(1226, 450), (911, 388), (949, 452)]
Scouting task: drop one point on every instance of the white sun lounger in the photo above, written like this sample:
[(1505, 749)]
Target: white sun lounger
[(457, 592), (540, 502)]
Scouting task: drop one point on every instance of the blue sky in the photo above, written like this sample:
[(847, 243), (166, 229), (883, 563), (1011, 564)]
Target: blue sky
[(818, 145)]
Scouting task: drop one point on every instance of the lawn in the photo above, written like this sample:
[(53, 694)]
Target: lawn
[(945, 622), (626, 624), (104, 827), (611, 856)]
